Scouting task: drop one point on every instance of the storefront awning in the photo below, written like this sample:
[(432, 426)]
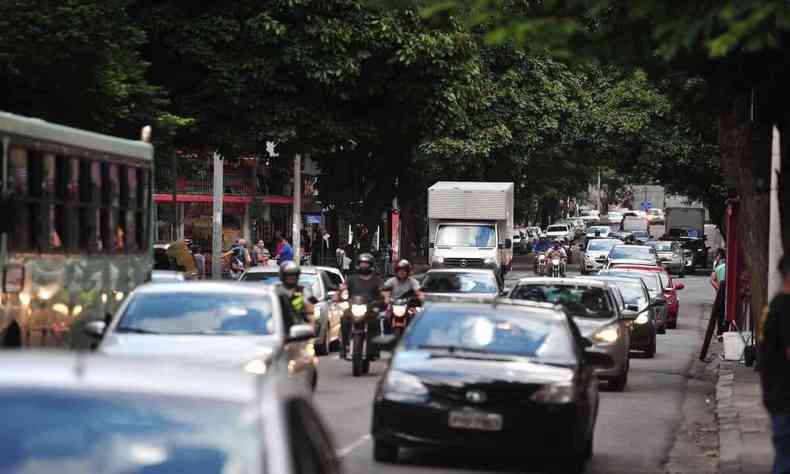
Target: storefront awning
[(276, 200)]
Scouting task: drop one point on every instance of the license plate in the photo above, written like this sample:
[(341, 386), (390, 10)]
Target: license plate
[(475, 421)]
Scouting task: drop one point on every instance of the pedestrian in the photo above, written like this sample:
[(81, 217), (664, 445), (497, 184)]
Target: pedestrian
[(200, 262), (775, 368), (285, 252), (719, 283)]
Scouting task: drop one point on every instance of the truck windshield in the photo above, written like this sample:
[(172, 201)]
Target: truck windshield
[(466, 236)]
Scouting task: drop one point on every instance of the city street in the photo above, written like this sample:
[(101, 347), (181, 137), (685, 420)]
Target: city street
[(635, 429)]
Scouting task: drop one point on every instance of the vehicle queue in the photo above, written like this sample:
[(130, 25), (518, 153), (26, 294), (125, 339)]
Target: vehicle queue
[(476, 364)]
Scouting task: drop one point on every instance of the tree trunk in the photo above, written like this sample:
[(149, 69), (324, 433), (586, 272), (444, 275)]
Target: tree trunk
[(784, 182), (736, 144)]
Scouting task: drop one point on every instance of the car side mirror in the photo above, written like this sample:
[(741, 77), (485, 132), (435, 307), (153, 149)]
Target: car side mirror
[(632, 307), (300, 332), (385, 342), (599, 360), (629, 314), (95, 329), (679, 286)]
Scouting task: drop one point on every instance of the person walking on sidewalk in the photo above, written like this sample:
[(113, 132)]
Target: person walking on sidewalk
[(775, 368), (719, 282)]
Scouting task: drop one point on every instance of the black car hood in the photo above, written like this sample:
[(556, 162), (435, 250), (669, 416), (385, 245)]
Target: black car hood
[(455, 370)]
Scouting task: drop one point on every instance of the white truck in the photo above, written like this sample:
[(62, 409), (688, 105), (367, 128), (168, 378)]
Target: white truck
[(470, 225), (685, 221)]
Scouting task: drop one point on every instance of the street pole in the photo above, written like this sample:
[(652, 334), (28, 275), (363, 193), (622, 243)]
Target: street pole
[(774, 226), (216, 222), (297, 216), (600, 201)]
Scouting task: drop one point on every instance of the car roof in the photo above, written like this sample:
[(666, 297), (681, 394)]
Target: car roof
[(535, 309), (458, 270), (146, 376), (562, 281), (647, 268), (622, 279), (276, 269), (203, 287), (630, 246)]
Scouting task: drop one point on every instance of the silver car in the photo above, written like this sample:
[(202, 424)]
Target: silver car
[(322, 282), (73, 413), (670, 256), (238, 326), (594, 254), (456, 283), (594, 308)]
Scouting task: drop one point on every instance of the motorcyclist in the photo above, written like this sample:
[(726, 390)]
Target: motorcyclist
[(542, 246), (366, 284), (401, 283), (558, 252), (298, 300)]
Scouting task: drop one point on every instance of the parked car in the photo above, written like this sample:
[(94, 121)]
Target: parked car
[(220, 323), (654, 286), (562, 232), (472, 283), (631, 254), (322, 282), (669, 288), (74, 413), (636, 297), (496, 377), (594, 308), (670, 255), (595, 253)]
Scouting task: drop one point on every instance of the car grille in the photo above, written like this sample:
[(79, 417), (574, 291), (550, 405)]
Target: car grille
[(601, 259), (496, 393), (464, 262)]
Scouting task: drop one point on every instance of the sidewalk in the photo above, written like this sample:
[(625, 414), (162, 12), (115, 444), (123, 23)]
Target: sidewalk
[(744, 427)]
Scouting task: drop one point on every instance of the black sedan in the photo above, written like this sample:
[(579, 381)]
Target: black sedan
[(494, 377)]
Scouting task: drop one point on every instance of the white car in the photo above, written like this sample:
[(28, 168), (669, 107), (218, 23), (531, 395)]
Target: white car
[(602, 231), (560, 232)]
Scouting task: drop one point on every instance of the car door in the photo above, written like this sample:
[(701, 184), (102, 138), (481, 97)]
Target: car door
[(311, 448)]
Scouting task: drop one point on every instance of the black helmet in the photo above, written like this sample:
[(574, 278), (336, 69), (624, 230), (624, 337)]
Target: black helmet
[(289, 274), (403, 265), (365, 258)]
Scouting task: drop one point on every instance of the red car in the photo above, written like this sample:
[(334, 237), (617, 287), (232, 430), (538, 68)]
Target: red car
[(670, 290)]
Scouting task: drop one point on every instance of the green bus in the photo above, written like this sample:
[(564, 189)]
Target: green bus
[(75, 229)]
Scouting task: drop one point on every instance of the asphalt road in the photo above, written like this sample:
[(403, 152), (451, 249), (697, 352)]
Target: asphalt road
[(634, 433)]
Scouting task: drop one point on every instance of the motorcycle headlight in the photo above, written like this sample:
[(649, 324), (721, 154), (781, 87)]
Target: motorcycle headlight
[(344, 305), (402, 387), (555, 261), (359, 310), (554, 393), (608, 334), (399, 310), (541, 257), (344, 295), (641, 319), (255, 366)]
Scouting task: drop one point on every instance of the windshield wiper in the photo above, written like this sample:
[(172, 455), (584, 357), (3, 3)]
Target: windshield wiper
[(452, 349), (134, 330)]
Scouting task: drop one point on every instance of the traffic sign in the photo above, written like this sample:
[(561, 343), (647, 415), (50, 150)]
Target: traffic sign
[(645, 205)]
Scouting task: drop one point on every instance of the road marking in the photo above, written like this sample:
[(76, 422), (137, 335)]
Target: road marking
[(351, 447)]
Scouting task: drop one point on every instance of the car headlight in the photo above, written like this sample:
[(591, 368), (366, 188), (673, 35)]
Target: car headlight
[(399, 310), (641, 319), (255, 366), (489, 261), (554, 393), (608, 334), (402, 387), (438, 259), (359, 310)]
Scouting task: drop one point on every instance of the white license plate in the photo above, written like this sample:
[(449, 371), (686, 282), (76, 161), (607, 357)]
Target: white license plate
[(466, 420)]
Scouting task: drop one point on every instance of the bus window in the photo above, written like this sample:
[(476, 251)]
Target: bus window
[(18, 184), (90, 187), (129, 204), (141, 223)]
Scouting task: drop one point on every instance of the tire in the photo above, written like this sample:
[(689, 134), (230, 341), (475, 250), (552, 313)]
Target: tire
[(357, 358), (651, 350), (663, 329), (314, 382), (619, 383), (588, 447), (672, 324), (322, 348), (385, 452), (366, 366)]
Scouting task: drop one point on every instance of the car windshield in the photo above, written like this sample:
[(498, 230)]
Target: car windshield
[(650, 278), (640, 233), (459, 282), (466, 236), (662, 246), (557, 228), (307, 280), (601, 245), (578, 300), (198, 313), (78, 432), (633, 293), (626, 252), (599, 229), (494, 331)]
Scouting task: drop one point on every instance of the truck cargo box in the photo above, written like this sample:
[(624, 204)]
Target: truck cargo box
[(470, 201)]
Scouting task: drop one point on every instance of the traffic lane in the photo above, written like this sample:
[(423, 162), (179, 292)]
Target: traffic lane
[(634, 432)]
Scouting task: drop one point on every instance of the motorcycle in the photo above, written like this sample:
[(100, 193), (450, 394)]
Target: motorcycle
[(363, 313), (402, 310), (556, 267), (540, 264)]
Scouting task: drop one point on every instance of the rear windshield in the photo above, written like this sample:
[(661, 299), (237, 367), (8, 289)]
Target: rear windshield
[(663, 246), (557, 228), (601, 245), (74, 433), (650, 278), (452, 282), (582, 301), (625, 252)]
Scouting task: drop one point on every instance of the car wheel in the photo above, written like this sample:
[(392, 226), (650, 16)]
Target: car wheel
[(672, 324), (662, 329), (588, 448), (385, 452), (322, 348), (651, 350), (314, 381), (571, 465)]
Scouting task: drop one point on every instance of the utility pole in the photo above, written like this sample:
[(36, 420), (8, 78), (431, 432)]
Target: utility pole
[(216, 222), (600, 201), (297, 216), (774, 226)]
